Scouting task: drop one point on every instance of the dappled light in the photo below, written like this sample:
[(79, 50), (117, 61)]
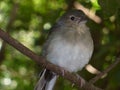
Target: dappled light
[(91, 13), (29, 22), (92, 69)]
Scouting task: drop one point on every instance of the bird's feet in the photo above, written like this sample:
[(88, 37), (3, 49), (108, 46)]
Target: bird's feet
[(63, 71), (81, 79)]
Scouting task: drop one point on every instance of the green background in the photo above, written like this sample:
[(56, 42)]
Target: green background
[(29, 22)]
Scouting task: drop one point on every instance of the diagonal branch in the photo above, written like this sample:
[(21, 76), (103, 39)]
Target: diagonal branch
[(41, 61), (93, 80)]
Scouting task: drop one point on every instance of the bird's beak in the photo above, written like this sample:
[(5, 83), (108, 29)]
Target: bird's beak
[(81, 20)]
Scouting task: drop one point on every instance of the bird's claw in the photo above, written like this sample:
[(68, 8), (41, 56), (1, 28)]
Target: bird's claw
[(81, 79)]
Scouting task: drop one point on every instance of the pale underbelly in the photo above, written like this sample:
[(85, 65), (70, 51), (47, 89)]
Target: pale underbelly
[(70, 57)]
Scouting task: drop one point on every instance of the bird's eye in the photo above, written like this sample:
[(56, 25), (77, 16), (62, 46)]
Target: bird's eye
[(72, 18)]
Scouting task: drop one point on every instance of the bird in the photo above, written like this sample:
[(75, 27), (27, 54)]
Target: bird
[(69, 45)]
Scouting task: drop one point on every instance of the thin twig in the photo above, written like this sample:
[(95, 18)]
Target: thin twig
[(93, 80), (13, 14)]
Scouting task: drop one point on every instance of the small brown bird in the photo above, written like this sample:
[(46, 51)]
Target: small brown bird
[(69, 46)]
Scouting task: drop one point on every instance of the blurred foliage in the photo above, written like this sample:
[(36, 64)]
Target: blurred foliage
[(33, 20)]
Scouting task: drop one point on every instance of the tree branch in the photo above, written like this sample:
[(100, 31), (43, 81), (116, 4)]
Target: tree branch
[(13, 14), (93, 80), (41, 61)]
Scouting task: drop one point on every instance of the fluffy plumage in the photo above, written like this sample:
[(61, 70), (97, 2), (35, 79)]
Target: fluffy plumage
[(69, 45)]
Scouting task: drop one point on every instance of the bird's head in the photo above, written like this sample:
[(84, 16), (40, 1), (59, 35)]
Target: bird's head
[(73, 18)]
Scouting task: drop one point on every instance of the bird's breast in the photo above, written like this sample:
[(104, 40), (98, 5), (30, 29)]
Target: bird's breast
[(72, 56)]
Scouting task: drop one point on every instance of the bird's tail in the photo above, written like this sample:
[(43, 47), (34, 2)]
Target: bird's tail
[(46, 81)]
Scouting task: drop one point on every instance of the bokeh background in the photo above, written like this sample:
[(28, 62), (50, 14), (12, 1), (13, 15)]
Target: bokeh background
[(29, 22)]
